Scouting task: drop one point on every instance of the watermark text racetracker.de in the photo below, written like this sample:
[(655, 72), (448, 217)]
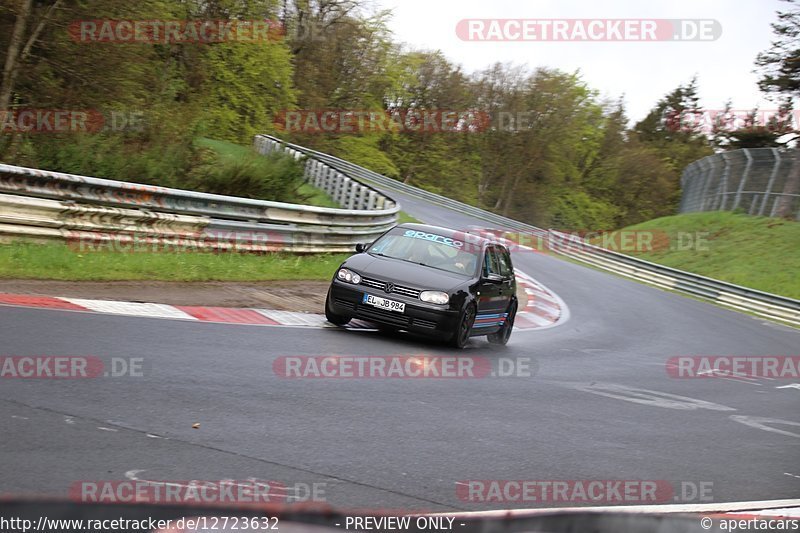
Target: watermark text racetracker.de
[(420, 366), (583, 491), (223, 491), (710, 121), (357, 121), (218, 241), (739, 366), (30, 120), (588, 30), (623, 241), (70, 367), (194, 31)]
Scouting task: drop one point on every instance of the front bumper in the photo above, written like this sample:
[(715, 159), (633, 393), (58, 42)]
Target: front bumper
[(346, 300)]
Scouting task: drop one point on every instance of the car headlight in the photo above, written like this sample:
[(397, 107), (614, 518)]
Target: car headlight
[(434, 297), (348, 276)]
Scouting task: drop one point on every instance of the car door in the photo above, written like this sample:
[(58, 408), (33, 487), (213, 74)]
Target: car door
[(508, 287), (493, 298)]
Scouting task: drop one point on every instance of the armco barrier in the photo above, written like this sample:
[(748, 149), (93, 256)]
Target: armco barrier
[(369, 176), (742, 298), (42, 205), (49, 205), (727, 294)]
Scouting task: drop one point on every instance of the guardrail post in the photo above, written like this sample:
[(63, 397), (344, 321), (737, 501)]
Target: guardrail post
[(335, 184), (327, 181), (707, 185), (774, 205), (692, 183), (771, 182), (362, 193), (320, 172), (320, 175), (351, 195), (344, 186), (722, 190), (753, 203), (743, 180), (344, 190), (311, 171), (336, 181), (704, 183)]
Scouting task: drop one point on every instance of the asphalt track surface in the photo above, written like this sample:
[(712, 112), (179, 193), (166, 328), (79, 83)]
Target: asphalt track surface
[(599, 404)]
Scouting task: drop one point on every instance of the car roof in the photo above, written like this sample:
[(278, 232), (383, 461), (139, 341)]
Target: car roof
[(448, 232)]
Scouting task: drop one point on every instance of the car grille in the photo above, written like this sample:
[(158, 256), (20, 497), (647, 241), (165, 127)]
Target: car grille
[(420, 323), (397, 289), (382, 315), (344, 303)]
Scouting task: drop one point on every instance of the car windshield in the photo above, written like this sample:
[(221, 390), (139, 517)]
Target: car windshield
[(428, 249)]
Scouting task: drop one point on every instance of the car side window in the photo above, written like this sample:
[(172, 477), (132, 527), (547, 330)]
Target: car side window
[(491, 262), (505, 263)]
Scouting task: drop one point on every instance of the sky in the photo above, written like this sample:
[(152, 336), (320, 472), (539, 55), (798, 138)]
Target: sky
[(641, 71)]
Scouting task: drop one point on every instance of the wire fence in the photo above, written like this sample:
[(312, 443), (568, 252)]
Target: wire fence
[(757, 181)]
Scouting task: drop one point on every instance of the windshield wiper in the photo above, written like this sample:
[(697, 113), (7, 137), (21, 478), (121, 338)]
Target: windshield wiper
[(442, 269), (418, 263), (398, 258)]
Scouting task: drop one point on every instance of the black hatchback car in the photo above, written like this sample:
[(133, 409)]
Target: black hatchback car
[(430, 280)]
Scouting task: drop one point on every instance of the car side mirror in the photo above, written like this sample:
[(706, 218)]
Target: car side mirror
[(361, 247), (494, 278)]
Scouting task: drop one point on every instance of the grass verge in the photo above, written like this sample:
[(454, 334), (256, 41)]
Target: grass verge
[(60, 262), (403, 217), (757, 252)]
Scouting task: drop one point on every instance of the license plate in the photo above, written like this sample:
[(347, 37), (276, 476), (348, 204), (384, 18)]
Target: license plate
[(384, 303)]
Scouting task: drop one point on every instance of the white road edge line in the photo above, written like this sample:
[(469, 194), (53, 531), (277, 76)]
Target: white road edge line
[(726, 507)]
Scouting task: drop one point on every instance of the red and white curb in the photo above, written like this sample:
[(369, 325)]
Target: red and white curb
[(544, 309)]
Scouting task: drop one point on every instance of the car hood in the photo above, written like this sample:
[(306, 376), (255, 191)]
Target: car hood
[(404, 273)]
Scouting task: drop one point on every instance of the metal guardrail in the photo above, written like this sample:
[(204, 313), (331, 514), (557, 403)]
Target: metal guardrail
[(757, 181), (42, 205), (753, 301), (369, 176), (757, 302), (97, 212)]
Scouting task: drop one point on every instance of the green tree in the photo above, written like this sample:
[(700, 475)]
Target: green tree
[(779, 66), (247, 85), (752, 133), (780, 74)]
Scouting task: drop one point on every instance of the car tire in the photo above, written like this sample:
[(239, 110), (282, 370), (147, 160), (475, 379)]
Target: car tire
[(465, 322), (332, 317), (504, 333)]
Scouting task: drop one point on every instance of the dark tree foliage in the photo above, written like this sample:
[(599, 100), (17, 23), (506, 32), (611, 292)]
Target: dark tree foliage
[(547, 149), (779, 66)]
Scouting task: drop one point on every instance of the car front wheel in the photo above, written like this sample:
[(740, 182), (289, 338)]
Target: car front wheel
[(332, 317), (465, 323)]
